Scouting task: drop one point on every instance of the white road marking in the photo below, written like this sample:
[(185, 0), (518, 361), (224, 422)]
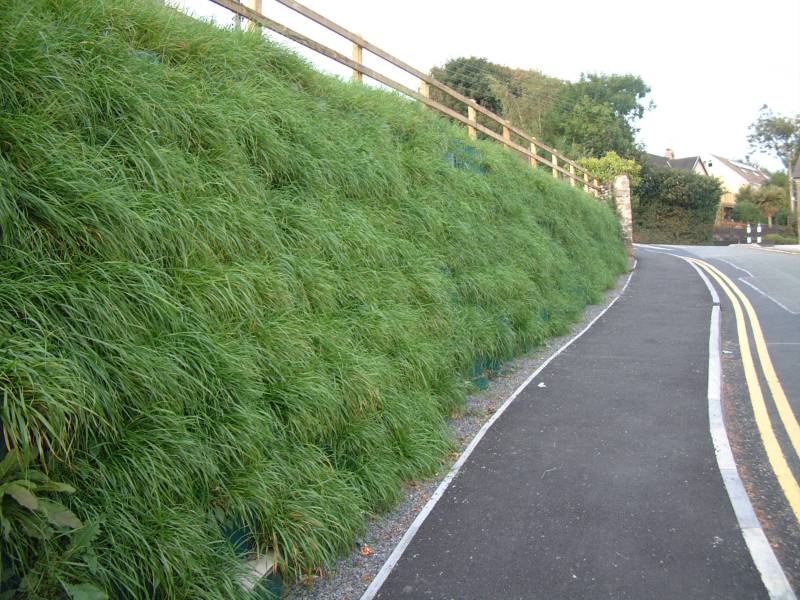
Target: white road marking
[(735, 266), (763, 293)]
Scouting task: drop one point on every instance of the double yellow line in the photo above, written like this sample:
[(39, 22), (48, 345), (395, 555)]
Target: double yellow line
[(775, 454)]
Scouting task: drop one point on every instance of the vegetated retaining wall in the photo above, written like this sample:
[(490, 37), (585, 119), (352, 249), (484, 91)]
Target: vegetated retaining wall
[(239, 298)]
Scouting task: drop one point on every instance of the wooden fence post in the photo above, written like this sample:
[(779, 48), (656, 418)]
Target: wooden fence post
[(597, 186), (506, 134), (572, 175), (586, 182), (252, 25), (424, 89), (533, 158), (358, 56), (472, 115), (555, 165)]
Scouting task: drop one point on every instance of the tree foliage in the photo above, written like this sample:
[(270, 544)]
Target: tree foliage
[(589, 117), (746, 193), (528, 99), (776, 135), (778, 178), (597, 114), (767, 204), (475, 78), (675, 206), (771, 199)]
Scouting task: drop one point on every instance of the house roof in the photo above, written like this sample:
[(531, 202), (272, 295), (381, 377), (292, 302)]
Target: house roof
[(688, 163), (750, 174), (685, 164), (654, 160)]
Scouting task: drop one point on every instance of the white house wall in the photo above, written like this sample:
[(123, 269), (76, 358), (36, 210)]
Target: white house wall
[(730, 178)]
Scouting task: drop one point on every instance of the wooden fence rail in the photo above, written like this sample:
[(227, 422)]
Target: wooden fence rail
[(560, 164)]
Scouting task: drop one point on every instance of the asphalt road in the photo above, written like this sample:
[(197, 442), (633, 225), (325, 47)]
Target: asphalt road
[(771, 282), (600, 480)]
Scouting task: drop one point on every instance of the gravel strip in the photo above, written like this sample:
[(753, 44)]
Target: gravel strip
[(349, 577)]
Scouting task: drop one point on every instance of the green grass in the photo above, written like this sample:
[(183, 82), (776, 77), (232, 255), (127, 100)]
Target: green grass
[(239, 295)]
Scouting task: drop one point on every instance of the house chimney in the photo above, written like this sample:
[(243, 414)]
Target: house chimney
[(669, 154)]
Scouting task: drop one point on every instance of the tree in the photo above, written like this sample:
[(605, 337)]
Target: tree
[(474, 78), (779, 136), (528, 99), (746, 193), (778, 178), (770, 199), (597, 114), (776, 135), (586, 118)]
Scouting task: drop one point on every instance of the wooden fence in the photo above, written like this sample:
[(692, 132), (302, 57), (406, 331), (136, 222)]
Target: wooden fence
[(512, 137)]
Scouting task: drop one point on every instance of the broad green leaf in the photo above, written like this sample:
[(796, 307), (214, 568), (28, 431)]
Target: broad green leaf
[(31, 523), (23, 496), (84, 591), (37, 476), (90, 558), (58, 514), (83, 537), (10, 463), (55, 486)]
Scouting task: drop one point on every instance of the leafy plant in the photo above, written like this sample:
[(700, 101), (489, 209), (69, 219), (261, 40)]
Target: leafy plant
[(748, 212), (27, 506), (611, 165), (23, 503), (780, 238)]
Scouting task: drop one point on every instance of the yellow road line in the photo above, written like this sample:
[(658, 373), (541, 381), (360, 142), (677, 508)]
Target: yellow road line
[(778, 250), (776, 389), (775, 454)]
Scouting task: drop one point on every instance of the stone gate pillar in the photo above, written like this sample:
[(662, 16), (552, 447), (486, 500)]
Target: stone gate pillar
[(622, 200)]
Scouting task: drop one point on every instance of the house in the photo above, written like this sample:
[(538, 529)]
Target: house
[(734, 176), (668, 161), (796, 182)]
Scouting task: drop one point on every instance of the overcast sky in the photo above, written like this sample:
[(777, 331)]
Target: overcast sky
[(711, 64)]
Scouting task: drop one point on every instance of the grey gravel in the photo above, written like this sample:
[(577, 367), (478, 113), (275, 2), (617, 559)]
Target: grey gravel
[(349, 577)]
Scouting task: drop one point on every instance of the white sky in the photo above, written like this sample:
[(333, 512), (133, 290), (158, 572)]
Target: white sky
[(711, 64)]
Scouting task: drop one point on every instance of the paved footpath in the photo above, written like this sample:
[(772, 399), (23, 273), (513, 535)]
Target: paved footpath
[(603, 484)]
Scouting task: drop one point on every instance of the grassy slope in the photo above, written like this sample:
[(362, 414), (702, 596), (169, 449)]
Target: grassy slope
[(237, 292)]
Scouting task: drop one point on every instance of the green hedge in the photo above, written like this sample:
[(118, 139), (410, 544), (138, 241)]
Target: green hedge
[(675, 206), (239, 297)]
